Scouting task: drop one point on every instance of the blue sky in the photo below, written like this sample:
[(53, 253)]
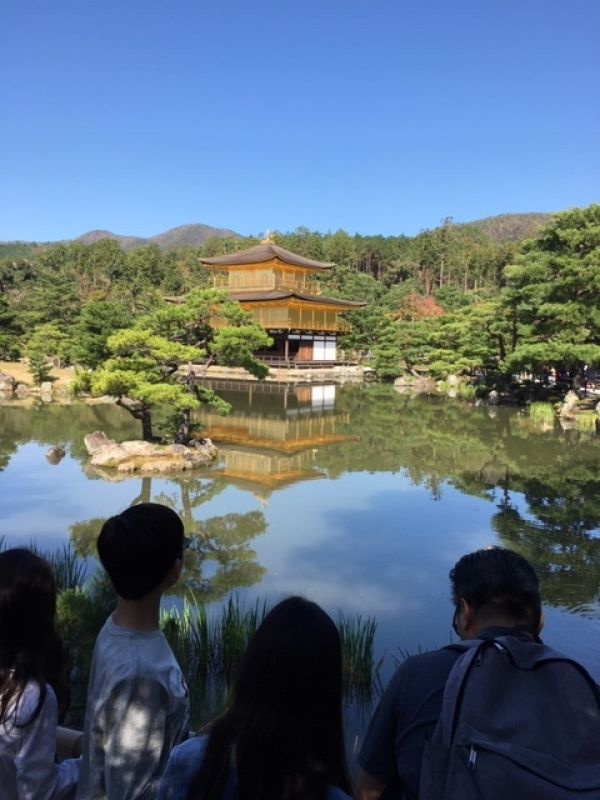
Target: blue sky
[(375, 116)]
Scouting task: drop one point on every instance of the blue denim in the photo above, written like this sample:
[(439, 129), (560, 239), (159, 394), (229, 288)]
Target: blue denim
[(184, 762)]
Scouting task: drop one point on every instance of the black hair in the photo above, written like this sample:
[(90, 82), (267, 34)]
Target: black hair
[(30, 647), (497, 581), (283, 727), (139, 546)]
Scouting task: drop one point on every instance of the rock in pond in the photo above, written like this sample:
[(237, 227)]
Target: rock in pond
[(140, 456), (569, 404), (54, 455), (7, 384)]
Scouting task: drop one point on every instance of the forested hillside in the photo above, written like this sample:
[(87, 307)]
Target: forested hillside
[(182, 236), (450, 299), (502, 228), (510, 227)]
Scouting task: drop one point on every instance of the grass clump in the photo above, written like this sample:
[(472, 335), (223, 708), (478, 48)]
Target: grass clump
[(189, 633), (466, 391), (70, 571), (542, 415), (81, 612), (358, 638), (210, 650), (237, 627), (586, 421)]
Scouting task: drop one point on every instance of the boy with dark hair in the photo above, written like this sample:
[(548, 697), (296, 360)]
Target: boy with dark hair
[(495, 592), (137, 706)]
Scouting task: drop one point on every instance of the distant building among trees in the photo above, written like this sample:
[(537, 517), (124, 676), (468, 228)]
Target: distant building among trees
[(282, 291)]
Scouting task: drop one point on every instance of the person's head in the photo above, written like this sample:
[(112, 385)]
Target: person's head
[(495, 586), (30, 648), (285, 717), (141, 549), (293, 665)]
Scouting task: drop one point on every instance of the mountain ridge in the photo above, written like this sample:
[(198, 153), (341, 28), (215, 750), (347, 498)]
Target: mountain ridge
[(500, 228), (503, 228), (192, 235)]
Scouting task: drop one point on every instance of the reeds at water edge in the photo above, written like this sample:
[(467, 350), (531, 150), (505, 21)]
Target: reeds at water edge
[(208, 646), (70, 571)]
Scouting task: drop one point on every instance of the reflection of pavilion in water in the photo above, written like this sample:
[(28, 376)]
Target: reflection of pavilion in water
[(271, 437)]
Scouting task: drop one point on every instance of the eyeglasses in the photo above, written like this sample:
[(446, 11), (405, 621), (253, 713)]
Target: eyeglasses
[(455, 621), (185, 544)]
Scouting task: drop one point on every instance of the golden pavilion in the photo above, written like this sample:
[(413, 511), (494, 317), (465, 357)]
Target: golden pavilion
[(281, 290)]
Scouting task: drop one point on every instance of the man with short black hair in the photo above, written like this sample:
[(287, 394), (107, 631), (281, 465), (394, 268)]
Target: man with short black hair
[(495, 593), (137, 706)]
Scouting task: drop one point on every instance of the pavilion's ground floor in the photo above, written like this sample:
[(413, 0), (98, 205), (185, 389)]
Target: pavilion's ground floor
[(296, 348)]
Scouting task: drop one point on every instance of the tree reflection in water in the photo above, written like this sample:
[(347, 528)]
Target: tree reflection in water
[(546, 484), (220, 545), (561, 541)]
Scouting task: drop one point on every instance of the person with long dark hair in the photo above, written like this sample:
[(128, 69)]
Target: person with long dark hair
[(281, 736), (33, 684)]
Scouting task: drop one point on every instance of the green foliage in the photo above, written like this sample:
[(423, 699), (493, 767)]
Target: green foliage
[(141, 369), (47, 342), (450, 298), (345, 282), (235, 347), (39, 366), (386, 353), (14, 250), (539, 312), (97, 321), (141, 373), (53, 297), (143, 271), (463, 341), (465, 391), (10, 330), (551, 297)]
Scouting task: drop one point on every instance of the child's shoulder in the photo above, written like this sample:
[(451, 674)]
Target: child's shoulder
[(30, 700), (124, 655)]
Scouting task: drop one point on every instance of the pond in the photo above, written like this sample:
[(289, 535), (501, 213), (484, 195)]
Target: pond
[(357, 497)]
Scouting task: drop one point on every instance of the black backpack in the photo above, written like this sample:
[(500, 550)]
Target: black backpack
[(519, 721)]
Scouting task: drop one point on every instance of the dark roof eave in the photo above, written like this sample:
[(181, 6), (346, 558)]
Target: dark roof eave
[(266, 252), (274, 296)]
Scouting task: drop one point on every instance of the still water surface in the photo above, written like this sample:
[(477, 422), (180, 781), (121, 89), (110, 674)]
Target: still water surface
[(357, 497)]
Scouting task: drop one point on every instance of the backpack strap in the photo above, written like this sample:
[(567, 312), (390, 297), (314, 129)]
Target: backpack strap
[(453, 691)]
